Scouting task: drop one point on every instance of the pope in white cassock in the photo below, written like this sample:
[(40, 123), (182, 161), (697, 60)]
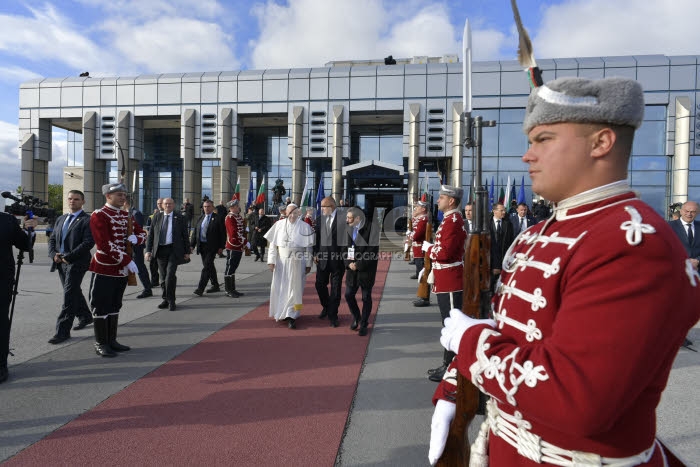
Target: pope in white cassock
[(289, 257)]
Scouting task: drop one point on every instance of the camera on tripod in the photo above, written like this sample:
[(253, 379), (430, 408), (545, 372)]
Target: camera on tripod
[(28, 204)]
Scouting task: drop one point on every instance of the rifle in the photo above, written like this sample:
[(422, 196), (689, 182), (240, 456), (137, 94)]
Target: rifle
[(423, 286), (476, 278), (131, 277)]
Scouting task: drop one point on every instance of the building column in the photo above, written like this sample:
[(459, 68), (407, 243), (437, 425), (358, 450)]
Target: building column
[(34, 171), (298, 163), (681, 151), (228, 172), (413, 152), (457, 146), (191, 167), (337, 161)]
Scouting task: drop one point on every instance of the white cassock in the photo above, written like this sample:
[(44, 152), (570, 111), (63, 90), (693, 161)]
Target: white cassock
[(291, 251)]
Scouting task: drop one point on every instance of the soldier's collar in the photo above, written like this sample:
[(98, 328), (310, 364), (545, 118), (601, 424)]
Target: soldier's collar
[(576, 205)]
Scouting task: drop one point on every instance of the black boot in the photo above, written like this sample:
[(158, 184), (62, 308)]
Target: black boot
[(3, 369), (102, 347), (113, 321), (234, 292), (227, 286)]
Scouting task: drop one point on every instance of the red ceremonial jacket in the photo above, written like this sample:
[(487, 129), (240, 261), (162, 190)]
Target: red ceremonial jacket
[(592, 307), (417, 235), (447, 253), (108, 226), (235, 233)]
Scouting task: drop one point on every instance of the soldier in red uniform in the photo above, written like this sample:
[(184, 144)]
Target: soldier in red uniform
[(582, 339), (416, 236), (236, 242), (110, 266), (447, 259)]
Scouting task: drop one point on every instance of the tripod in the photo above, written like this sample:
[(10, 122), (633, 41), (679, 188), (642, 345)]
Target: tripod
[(20, 259)]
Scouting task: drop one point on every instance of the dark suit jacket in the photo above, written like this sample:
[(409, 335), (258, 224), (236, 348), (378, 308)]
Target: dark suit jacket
[(329, 245), (78, 241), (693, 250), (181, 242), (515, 220), (216, 232), (499, 248), (366, 255)]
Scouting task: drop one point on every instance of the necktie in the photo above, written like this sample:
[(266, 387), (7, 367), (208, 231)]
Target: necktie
[(522, 224), (164, 230), (498, 229), (328, 223), (66, 224), (690, 234), (354, 234), (203, 231)]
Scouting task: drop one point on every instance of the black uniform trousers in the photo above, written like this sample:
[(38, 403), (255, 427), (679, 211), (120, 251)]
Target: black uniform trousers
[(74, 303), (420, 262), (208, 268), (446, 302), (329, 302), (106, 293), (140, 263), (167, 268), (233, 259)]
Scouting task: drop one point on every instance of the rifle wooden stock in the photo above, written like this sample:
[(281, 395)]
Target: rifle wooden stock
[(131, 278), (476, 281), (423, 286)]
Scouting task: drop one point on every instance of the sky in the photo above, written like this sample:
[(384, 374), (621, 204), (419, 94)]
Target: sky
[(62, 38)]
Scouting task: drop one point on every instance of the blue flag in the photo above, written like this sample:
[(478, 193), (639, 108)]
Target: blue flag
[(251, 192), (492, 194), (319, 196), (521, 193)]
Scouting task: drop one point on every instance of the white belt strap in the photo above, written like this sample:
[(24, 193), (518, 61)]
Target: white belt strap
[(446, 265), (514, 430)]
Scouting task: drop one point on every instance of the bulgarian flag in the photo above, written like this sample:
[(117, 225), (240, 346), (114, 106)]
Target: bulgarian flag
[(260, 200), (237, 191), (306, 195), (424, 195)]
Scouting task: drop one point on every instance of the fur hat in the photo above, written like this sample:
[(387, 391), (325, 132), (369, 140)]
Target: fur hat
[(452, 191), (113, 188)]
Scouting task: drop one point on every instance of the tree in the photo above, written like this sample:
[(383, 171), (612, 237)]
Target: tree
[(56, 197)]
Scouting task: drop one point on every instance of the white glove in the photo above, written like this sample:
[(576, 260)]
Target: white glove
[(132, 239), (405, 247), (246, 229), (426, 245), (420, 274), (408, 232), (132, 267), (455, 327), (247, 245), (439, 428)]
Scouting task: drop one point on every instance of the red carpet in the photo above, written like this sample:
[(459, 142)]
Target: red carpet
[(252, 394)]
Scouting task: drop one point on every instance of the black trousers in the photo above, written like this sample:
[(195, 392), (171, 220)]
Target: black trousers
[(140, 263), (74, 303), (167, 268), (329, 302), (5, 296), (259, 248), (233, 259), (153, 267), (446, 302), (208, 254), (350, 292), (106, 293), (420, 262)]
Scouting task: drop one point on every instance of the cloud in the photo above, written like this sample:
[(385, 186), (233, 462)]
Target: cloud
[(158, 8), (174, 45), (591, 28), (16, 74)]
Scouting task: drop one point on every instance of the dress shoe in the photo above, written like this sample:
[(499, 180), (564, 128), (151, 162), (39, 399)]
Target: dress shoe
[(412, 262), (163, 305), (58, 339), (234, 294), (172, 306), (198, 292), (334, 323), (687, 343), (421, 302), (437, 376), (82, 324), (145, 294), (291, 323), (353, 326), (3, 373), (323, 314), (414, 276), (441, 369), (155, 284), (213, 289), (362, 331)]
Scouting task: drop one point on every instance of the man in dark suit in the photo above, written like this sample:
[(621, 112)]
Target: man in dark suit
[(361, 265), (502, 236), (521, 219), (69, 248), (153, 264), (10, 235), (168, 242), (688, 230), (328, 256), (209, 239), (138, 253)]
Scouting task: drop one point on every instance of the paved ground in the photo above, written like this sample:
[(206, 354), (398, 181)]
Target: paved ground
[(390, 418)]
